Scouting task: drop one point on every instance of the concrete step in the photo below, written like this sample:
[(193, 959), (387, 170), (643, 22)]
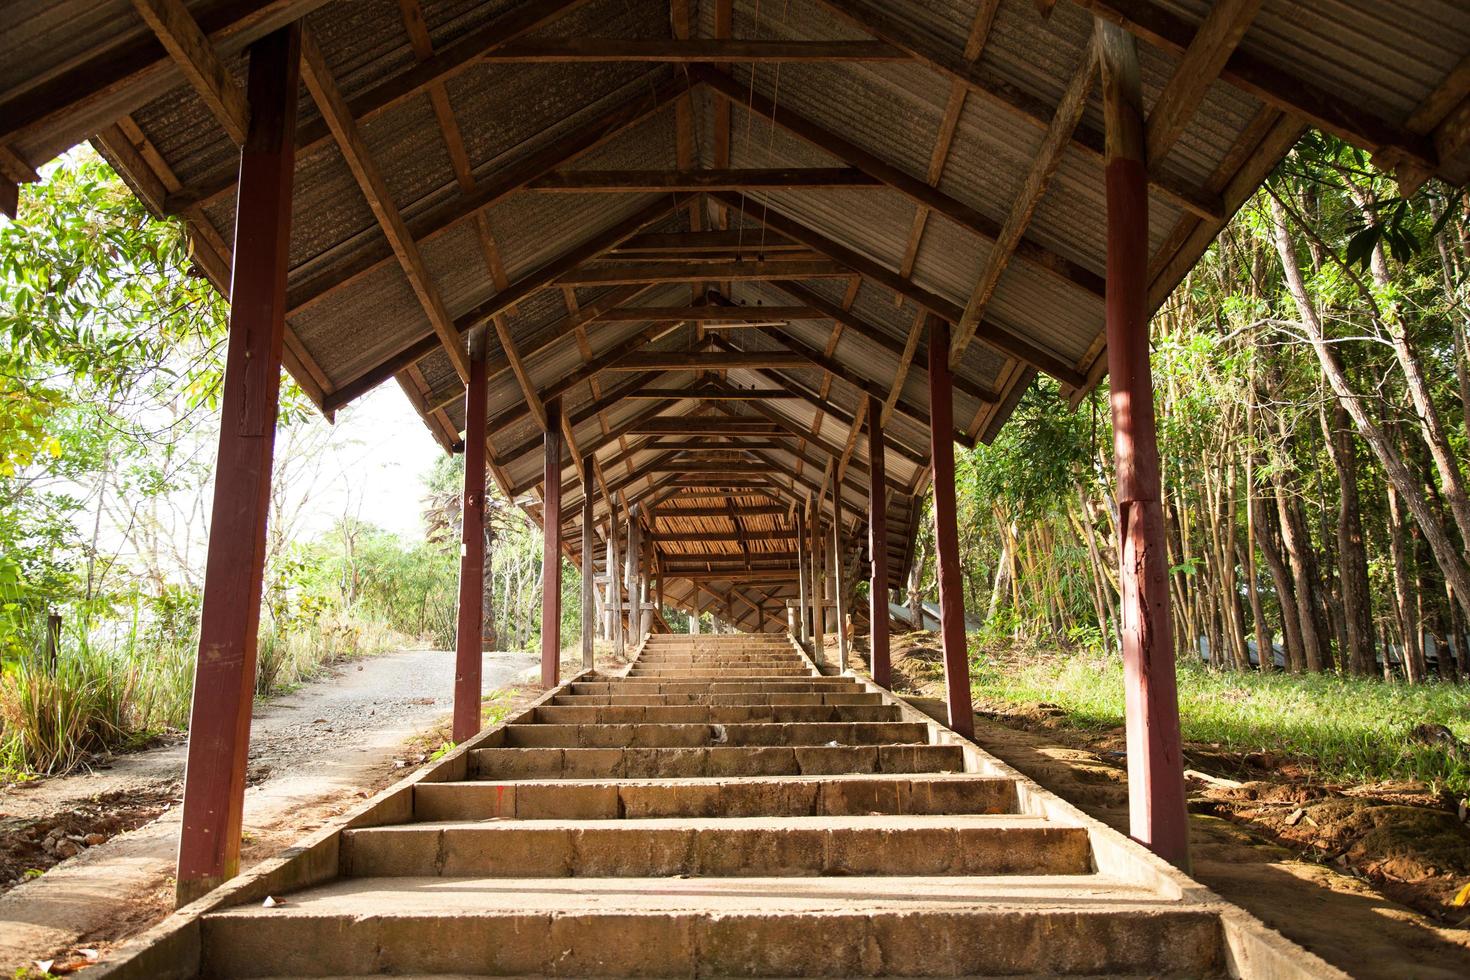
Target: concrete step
[(709, 714), (724, 674), (776, 698), (692, 736), (785, 796), (772, 927), (637, 686), (720, 847), (653, 763)]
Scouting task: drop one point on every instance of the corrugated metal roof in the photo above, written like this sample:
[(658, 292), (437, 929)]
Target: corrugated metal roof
[(354, 309)]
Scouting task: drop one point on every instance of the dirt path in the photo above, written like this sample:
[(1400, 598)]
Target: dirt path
[(313, 754)]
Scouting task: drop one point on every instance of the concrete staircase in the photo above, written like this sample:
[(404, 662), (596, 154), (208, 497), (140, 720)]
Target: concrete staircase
[(724, 810)]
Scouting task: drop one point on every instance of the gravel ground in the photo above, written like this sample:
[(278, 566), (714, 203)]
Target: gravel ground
[(314, 753)]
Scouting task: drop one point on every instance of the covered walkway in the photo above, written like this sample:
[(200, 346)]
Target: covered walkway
[(710, 287)]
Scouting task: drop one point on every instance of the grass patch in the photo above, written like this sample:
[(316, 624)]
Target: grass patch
[(1342, 728)]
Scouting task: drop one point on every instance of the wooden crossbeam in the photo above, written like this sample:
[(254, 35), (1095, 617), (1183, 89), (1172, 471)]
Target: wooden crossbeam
[(182, 38), (696, 361), (680, 51), (693, 242), (706, 393), (711, 314), (654, 181), (339, 118), (702, 445), (702, 466), (1044, 164), (686, 425), (692, 272), (764, 510), (997, 91)]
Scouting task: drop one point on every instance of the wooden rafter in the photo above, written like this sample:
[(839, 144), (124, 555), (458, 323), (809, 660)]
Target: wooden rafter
[(655, 181), (691, 51), (695, 272), (1213, 44), (339, 118), (1048, 158), (182, 38)]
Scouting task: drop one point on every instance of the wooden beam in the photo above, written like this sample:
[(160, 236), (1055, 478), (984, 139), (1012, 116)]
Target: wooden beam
[(878, 640), (999, 92), (703, 425), (694, 537), (551, 549), (906, 184), (694, 242), (181, 37), (469, 642), (699, 50), (739, 271), (744, 445), (9, 198), (710, 314), (1342, 116), (998, 337), (1214, 42), (706, 393), (1048, 157), (741, 468), (655, 181), (1157, 814), (338, 117), (224, 674), (589, 615), (697, 361), (946, 537), (669, 513)]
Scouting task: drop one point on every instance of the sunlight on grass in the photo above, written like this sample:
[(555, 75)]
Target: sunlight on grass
[(1343, 728)]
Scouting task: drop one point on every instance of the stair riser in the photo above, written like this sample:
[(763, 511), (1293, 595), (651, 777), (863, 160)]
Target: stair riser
[(724, 676), (726, 852), (694, 736), (850, 796), (700, 714), (780, 698), (719, 761), (716, 687), (685, 944)]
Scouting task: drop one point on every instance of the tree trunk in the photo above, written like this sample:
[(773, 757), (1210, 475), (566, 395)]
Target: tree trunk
[(1352, 554), (1405, 609), (1456, 571), (1291, 630)]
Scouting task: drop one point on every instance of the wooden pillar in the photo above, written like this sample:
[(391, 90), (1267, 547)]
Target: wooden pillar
[(589, 566), (803, 614), (839, 596), (609, 564), (635, 613), (946, 533), (615, 579), (878, 546), (694, 616), (1156, 807), (224, 676), (469, 636), (551, 549)]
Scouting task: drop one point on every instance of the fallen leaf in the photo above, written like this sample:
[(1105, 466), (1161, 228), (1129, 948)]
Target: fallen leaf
[(269, 902), (1461, 897), (1295, 817)]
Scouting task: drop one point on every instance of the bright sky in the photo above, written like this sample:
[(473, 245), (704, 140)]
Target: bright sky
[(378, 456)]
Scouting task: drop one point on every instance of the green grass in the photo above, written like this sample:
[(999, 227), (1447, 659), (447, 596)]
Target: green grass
[(1341, 728)]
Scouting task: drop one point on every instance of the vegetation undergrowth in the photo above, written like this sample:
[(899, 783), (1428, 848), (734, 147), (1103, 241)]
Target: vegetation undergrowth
[(1340, 728)]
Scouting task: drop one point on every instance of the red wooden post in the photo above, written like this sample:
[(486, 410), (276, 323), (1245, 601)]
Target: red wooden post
[(469, 643), (1156, 808), (946, 533), (589, 614), (551, 550), (878, 546), (224, 677)]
